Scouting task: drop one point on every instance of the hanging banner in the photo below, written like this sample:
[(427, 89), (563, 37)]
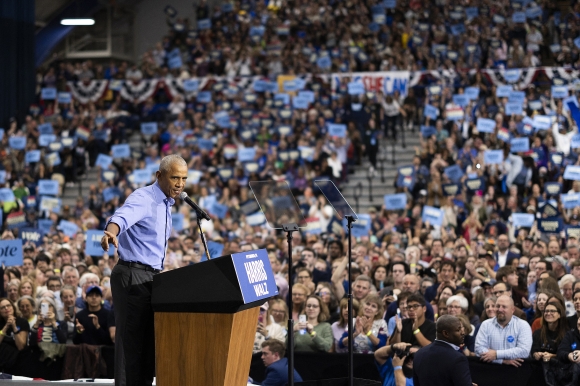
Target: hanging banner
[(385, 82)]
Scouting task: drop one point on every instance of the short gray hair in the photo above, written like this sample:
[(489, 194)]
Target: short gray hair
[(169, 160), (463, 303), (30, 299)]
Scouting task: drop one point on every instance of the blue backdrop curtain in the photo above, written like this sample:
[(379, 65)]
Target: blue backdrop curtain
[(17, 69)]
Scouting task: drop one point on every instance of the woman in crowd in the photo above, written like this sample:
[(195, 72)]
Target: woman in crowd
[(47, 325), (267, 329), (68, 299), (278, 313), (340, 326), (314, 334), (443, 293), (488, 309), (468, 346), (541, 300), (27, 287), (370, 330), (379, 276), (27, 307), (299, 295), (12, 290), (458, 305), (547, 339), (473, 318), (326, 292), (13, 334)]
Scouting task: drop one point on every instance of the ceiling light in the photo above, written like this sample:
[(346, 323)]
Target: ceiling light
[(77, 22)]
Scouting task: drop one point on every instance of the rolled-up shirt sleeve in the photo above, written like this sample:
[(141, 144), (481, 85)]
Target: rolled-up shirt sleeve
[(136, 207)]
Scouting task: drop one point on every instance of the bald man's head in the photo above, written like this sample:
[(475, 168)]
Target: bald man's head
[(505, 309)]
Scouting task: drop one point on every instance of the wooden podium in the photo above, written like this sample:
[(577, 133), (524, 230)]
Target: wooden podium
[(205, 323)]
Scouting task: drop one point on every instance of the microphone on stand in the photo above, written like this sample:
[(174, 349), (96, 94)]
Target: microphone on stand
[(200, 212)]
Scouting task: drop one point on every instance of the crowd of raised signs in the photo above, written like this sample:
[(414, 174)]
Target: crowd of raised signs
[(292, 92)]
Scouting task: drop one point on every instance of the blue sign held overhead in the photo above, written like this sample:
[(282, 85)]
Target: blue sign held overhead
[(68, 228), (48, 187), (433, 215), (11, 253), (519, 145), (93, 244), (149, 128), (48, 93), (32, 235), (337, 130), (121, 151), (492, 157), (395, 201), (523, 220), (32, 156), (485, 125), (503, 91)]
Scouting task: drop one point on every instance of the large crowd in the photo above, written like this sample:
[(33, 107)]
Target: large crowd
[(485, 224)]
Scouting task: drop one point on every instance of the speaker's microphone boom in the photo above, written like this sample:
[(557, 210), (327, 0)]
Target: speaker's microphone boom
[(200, 212)]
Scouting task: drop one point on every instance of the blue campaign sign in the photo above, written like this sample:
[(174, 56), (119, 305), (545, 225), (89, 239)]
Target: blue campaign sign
[(519, 17), (190, 85), (406, 177), (433, 215), (454, 173), (289, 85), (121, 151), (461, 100), (2, 176), (308, 95), (504, 135), (285, 98), (550, 225), (356, 88), (45, 128), (513, 108), (141, 176), (48, 187), (451, 189), (519, 145), (149, 128), (7, 195), (204, 96), (50, 204), (45, 225), (457, 29), (559, 92), (523, 220), (32, 156), (379, 18), (485, 125), (572, 173), (306, 153), (204, 24), (299, 102), (16, 220), (111, 193), (48, 93), (11, 253), (337, 130), (533, 12), (64, 97), (428, 131), (17, 143), (360, 228), (472, 93), (575, 141), (503, 91), (324, 62), (491, 157), (255, 275), (471, 12), (431, 112), (93, 244), (570, 200), (246, 154), (222, 119), (219, 210), (68, 228), (32, 235), (553, 188), (193, 177), (517, 97), (395, 201), (542, 122), (104, 161), (177, 221), (570, 99), (390, 4)]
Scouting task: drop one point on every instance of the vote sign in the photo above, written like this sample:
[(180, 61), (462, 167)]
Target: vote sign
[(11, 253), (255, 275)]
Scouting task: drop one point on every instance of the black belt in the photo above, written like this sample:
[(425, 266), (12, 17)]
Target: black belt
[(138, 266)]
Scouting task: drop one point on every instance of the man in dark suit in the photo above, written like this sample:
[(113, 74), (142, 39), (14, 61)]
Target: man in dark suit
[(276, 365), (453, 370)]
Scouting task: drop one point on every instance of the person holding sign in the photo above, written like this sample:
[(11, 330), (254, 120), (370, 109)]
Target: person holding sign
[(140, 230)]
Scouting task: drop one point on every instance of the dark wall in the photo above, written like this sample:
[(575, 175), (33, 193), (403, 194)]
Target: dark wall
[(17, 71)]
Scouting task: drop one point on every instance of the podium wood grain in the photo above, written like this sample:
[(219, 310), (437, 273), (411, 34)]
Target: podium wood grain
[(203, 348)]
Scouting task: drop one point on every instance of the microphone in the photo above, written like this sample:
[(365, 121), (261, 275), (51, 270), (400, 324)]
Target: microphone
[(200, 212)]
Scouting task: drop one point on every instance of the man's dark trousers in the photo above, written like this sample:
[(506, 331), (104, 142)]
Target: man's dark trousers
[(135, 334)]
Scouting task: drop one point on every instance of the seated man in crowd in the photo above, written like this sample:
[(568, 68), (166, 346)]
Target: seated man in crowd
[(92, 322), (504, 339), (415, 330), (276, 365)]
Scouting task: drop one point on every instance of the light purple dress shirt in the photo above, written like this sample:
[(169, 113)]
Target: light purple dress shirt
[(145, 225)]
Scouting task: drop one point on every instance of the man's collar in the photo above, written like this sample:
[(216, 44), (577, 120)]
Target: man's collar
[(456, 348), (160, 197), (499, 325)]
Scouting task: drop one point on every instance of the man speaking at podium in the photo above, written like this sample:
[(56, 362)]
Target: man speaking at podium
[(140, 229)]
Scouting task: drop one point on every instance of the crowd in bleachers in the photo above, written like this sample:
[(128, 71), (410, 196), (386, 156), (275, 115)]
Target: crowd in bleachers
[(490, 205)]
